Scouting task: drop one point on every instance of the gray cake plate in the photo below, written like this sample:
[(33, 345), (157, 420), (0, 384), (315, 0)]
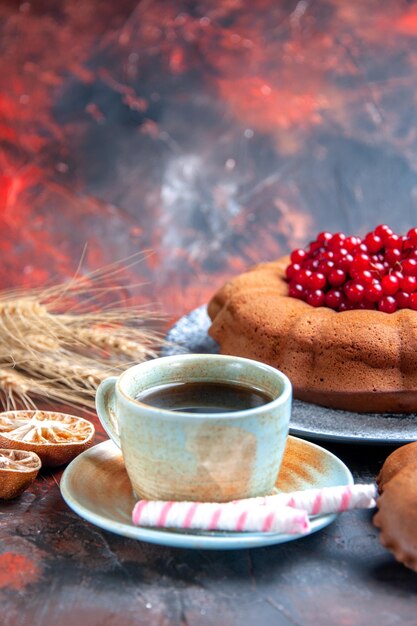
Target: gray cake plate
[(189, 334)]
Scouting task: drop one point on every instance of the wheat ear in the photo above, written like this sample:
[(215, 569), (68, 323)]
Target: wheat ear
[(58, 344)]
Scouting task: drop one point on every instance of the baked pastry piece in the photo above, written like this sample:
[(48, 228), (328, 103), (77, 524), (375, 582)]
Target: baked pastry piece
[(397, 506), (397, 516), (360, 360), (395, 462)]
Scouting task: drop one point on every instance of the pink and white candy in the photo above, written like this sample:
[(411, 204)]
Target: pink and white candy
[(282, 513), (321, 501), (215, 516)]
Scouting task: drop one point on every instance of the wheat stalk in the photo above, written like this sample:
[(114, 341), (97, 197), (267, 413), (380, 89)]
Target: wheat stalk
[(59, 368), (13, 390), (117, 343), (59, 343)]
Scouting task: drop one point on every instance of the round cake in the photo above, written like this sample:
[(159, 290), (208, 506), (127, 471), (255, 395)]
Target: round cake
[(362, 360)]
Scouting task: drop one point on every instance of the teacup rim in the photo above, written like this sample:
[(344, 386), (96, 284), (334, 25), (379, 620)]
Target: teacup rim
[(282, 399)]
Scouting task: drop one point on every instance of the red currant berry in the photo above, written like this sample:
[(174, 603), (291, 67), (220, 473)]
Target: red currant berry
[(344, 263), (296, 291), (337, 277), (392, 256), (407, 244), (412, 235), (373, 242), (325, 267), (413, 301), (340, 254), (297, 256), (390, 285), (387, 304), (324, 237), (402, 299), (316, 297), (383, 231), (354, 291), (304, 276), (364, 277), (351, 243), (336, 242), (409, 267), (361, 261), (408, 284), (374, 292), (334, 298), (316, 281), (394, 241), (311, 264), (292, 270)]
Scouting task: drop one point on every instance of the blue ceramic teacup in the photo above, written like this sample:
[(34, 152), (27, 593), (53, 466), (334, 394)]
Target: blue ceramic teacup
[(175, 455)]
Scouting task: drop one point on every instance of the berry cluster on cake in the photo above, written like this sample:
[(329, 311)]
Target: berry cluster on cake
[(338, 317), (344, 273)]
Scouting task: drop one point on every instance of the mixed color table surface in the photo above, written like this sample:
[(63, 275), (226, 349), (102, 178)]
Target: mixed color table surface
[(209, 136)]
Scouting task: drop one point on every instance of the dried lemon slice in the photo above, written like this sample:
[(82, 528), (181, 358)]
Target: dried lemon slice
[(55, 437), (18, 469)]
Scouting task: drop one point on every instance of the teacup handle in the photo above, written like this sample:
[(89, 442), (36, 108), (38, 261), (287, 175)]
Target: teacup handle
[(105, 406)]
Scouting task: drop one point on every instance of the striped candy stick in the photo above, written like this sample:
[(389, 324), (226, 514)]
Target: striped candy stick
[(217, 516), (321, 501)]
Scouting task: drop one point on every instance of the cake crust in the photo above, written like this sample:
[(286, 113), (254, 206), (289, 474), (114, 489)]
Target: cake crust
[(359, 360)]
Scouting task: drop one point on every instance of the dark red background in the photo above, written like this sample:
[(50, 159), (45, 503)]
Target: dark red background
[(214, 134)]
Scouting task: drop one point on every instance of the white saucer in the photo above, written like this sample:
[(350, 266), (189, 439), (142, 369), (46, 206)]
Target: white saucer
[(96, 486)]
